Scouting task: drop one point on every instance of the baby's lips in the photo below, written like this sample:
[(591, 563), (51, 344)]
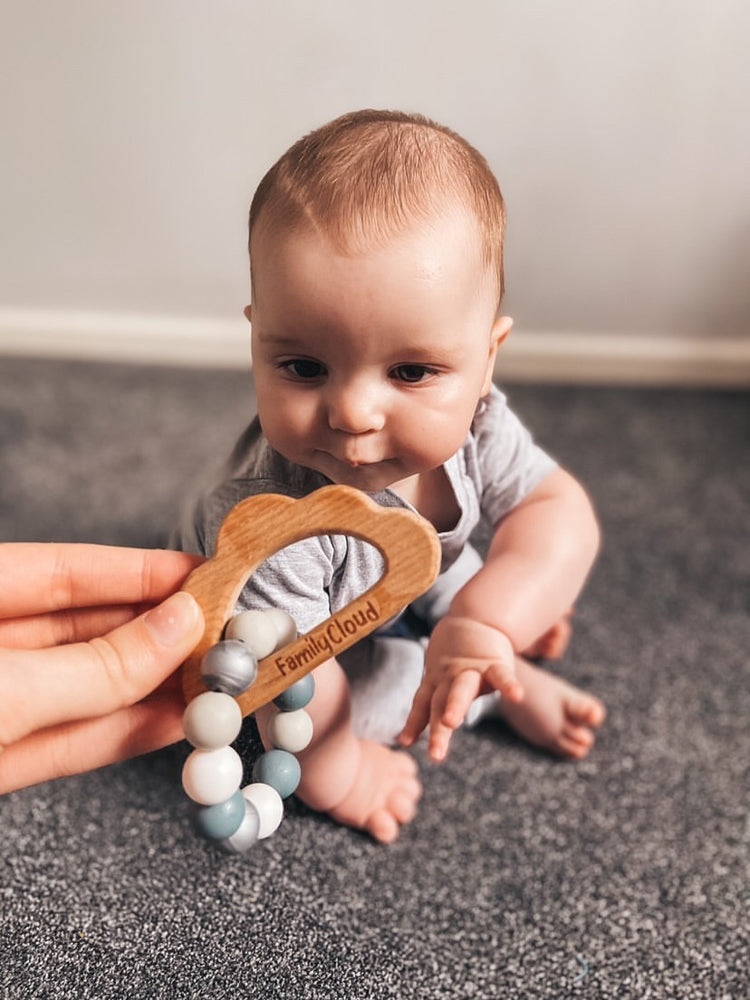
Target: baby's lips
[(259, 526)]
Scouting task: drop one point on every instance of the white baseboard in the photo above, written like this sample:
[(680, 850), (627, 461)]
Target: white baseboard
[(128, 337), (624, 359), (528, 356)]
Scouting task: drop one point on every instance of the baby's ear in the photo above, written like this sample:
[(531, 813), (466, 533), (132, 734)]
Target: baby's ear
[(247, 313), (500, 330)]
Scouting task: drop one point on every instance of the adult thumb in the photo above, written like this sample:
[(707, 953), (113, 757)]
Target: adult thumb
[(138, 656), (89, 679)]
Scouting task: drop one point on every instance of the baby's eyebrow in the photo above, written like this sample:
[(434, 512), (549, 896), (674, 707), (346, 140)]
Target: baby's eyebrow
[(421, 355), (278, 340)]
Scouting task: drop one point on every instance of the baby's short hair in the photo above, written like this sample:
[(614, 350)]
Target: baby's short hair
[(368, 175)]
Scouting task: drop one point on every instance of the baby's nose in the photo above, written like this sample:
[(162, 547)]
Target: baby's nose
[(355, 409)]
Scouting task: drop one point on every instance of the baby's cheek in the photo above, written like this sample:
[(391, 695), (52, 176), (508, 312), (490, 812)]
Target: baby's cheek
[(289, 425), (440, 436)]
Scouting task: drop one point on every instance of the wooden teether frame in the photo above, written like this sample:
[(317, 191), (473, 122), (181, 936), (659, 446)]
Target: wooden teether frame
[(261, 525)]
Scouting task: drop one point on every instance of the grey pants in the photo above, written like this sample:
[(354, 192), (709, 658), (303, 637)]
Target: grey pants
[(384, 671)]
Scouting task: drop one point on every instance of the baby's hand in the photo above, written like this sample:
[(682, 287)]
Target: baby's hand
[(463, 658)]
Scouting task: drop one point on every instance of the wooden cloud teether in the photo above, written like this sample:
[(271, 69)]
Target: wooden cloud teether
[(234, 817), (261, 525)]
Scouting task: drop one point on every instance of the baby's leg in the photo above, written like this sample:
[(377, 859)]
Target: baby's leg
[(554, 642), (384, 673), (357, 782)]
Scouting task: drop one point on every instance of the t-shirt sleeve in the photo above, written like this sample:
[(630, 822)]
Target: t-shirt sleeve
[(297, 579), (511, 465)]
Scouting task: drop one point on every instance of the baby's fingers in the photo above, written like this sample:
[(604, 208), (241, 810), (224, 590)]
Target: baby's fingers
[(440, 733), (462, 692), (449, 706), (419, 715), (502, 676)]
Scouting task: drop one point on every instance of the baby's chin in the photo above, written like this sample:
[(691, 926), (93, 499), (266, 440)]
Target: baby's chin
[(370, 478), (367, 478)]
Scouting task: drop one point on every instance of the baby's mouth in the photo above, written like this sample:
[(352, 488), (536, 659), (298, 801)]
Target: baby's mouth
[(354, 462)]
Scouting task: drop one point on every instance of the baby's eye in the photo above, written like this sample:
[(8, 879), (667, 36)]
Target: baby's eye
[(413, 373), (303, 369)]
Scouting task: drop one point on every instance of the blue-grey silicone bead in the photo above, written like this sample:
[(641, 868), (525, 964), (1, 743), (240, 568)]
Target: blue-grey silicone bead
[(229, 666), (247, 833), (279, 769), (297, 695), (222, 820)]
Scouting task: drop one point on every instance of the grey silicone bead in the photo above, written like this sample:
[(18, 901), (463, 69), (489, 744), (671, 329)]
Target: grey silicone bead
[(279, 769), (229, 666), (246, 835), (297, 695), (222, 820)]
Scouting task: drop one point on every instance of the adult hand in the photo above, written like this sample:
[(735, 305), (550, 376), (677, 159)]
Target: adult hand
[(464, 658), (88, 655)]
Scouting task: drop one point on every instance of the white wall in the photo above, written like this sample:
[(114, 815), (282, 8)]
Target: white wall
[(133, 135)]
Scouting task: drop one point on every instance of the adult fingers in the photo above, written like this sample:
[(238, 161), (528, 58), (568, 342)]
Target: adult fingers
[(73, 747), (36, 577), (86, 680), (55, 628)]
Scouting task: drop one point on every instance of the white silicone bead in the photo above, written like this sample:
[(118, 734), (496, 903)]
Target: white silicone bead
[(212, 720), (268, 802), (286, 629), (211, 776), (256, 630), (290, 731)]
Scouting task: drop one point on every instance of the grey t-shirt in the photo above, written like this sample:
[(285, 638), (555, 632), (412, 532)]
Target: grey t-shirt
[(495, 468)]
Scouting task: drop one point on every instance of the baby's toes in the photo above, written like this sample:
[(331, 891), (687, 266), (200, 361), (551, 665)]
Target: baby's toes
[(403, 802), (581, 735), (570, 747), (407, 767), (584, 709), (383, 826)]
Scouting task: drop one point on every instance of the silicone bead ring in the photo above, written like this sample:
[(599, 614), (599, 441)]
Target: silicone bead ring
[(237, 818)]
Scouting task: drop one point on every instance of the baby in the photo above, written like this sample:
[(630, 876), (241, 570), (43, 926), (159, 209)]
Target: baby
[(376, 249)]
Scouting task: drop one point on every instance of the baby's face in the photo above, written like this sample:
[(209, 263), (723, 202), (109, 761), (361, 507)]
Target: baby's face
[(369, 367)]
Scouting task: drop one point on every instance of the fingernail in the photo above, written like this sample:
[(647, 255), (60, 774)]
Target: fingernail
[(173, 619)]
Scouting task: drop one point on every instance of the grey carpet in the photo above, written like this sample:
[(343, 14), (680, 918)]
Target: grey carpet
[(522, 876)]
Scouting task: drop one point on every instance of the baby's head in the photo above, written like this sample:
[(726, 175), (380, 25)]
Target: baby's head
[(376, 247), (369, 176)]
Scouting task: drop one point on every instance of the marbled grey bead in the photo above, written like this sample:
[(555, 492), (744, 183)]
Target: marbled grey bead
[(279, 769), (229, 666), (297, 695)]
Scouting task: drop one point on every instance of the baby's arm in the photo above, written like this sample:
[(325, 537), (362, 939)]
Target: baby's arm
[(540, 556), (538, 562)]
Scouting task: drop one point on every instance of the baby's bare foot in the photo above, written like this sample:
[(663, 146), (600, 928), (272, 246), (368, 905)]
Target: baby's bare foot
[(553, 715), (554, 642), (384, 795)]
